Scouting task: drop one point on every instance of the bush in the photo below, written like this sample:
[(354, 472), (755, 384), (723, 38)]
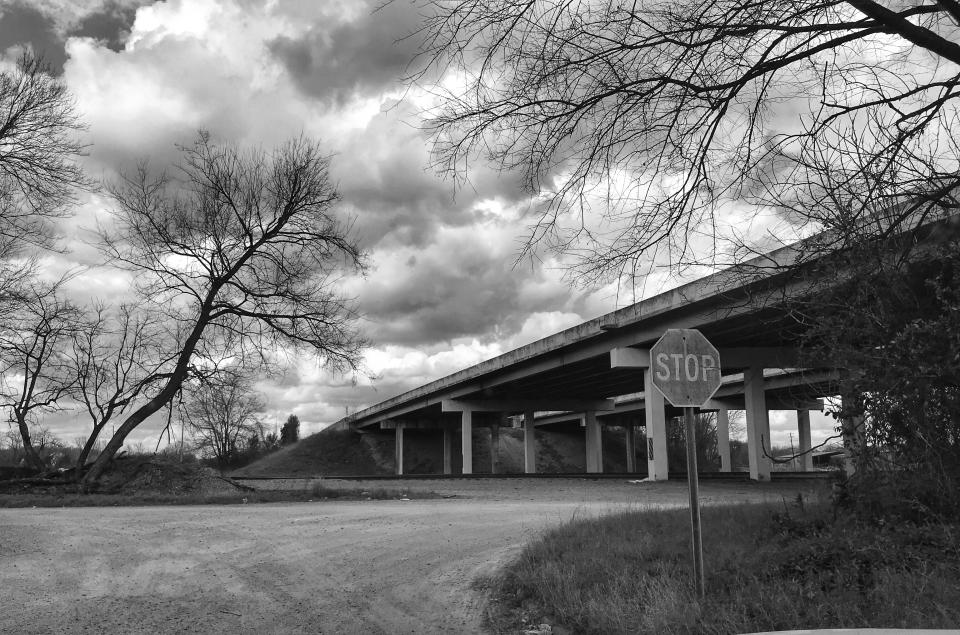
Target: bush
[(917, 494), (898, 324)]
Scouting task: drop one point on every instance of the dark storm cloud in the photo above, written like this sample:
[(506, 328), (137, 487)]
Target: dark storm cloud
[(465, 285), (22, 25), (365, 56), (445, 264), (385, 178), (110, 25), (435, 302)]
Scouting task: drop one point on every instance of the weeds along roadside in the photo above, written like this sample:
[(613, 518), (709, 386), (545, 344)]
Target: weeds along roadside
[(315, 492), (769, 567)]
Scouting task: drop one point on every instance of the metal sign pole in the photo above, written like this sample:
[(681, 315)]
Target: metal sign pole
[(697, 539), (685, 367)]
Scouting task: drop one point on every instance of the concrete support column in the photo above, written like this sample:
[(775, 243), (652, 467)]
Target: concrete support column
[(630, 441), (494, 448), (466, 441), (594, 443), (529, 444), (723, 439), (398, 448), (447, 450), (803, 427), (851, 430), (656, 419), (758, 424)]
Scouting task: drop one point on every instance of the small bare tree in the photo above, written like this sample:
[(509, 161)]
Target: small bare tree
[(35, 376), (241, 254), (221, 412)]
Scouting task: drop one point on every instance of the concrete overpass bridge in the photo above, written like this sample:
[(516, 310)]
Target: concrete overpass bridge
[(597, 373)]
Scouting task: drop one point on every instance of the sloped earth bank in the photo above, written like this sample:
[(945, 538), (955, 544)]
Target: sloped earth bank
[(321, 567)]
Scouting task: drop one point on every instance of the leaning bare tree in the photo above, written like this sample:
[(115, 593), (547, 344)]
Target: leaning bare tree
[(222, 413), (676, 118), (241, 253), (34, 371)]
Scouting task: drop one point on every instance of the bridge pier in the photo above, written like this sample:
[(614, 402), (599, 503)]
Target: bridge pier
[(723, 439), (655, 412), (803, 430), (851, 430), (466, 441), (398, 448), (630, 441), (758, 423), (529, 443), (594, 443)]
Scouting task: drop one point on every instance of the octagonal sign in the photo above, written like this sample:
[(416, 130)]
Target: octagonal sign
[(686, 367)]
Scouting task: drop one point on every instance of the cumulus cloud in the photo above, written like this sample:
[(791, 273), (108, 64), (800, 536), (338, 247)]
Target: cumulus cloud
[(23, 25), (46, 25), (463, 284), (385, 174), (337, 60), (110, 24), (443, 292)]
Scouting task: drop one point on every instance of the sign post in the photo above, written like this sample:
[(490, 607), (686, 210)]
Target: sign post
[(686, 369)]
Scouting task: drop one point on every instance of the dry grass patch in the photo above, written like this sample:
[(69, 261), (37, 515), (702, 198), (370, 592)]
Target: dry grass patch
[(768, 568)]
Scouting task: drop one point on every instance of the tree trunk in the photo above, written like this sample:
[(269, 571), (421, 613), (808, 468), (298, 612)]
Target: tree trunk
[(177, 377), (33, 459), (116, 441), (87, 448), (139, 416)]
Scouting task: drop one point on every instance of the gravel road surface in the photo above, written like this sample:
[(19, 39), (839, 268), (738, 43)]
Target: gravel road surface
[(319, 567)]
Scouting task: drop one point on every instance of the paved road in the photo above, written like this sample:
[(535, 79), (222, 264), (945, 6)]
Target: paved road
[(321, 567)]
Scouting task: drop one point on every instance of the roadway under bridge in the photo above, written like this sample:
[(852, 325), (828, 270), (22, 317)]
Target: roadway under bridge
[(598, 374)]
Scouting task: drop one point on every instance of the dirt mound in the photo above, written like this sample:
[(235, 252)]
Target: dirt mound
[(159, 475)]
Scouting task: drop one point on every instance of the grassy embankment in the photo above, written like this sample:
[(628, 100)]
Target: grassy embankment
[(767, 568)]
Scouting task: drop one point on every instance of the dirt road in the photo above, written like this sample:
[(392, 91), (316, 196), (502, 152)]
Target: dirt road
[(321, 567)]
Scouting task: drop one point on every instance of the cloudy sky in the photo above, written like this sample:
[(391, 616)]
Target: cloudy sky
[(445, 290)]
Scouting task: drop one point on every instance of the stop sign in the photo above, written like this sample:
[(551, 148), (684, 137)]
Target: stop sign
[(686, 367)]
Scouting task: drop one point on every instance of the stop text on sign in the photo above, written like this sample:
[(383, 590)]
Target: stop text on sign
[(685, 367), (669, 366)]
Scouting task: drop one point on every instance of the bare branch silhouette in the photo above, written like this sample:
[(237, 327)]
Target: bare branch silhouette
[(241, 254)]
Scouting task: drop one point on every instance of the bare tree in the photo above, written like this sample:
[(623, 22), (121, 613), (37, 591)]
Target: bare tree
[(241, 254), (222, 414), (34, 376), (116, 357), (664, 113), (705, 431), (39, 142)]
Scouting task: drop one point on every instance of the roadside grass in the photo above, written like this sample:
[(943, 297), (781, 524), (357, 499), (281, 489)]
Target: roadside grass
[(63, 497), (768, 567)]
